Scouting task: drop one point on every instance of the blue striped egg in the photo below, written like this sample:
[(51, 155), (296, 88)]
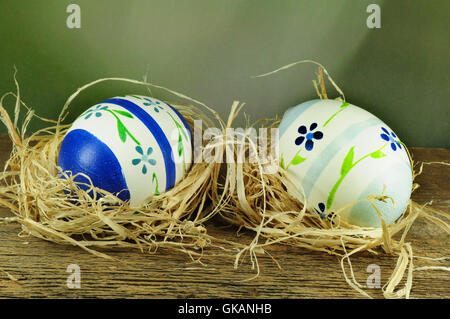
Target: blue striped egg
[(132, 146), (338, 154)]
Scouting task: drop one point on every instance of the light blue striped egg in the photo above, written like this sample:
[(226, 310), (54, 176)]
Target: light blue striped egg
[(132, 146), (338, 154)]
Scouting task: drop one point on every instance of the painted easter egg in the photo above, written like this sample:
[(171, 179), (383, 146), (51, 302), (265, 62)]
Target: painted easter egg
[(132, 146), (338, 154)]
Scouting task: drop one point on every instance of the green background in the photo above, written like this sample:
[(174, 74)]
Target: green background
[(209, 49)]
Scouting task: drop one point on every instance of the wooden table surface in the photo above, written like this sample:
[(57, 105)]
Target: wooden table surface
[(41, 267)]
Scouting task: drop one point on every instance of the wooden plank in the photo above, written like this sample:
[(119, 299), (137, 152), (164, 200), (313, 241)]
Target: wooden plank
[(40, 266)]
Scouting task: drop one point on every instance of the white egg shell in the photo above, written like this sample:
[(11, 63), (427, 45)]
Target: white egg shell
[(133, 146), (338, 154)]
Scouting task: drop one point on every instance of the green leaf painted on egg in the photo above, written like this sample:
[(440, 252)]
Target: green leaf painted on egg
[(123, 113), (122, 131), (184, 133), (180, 145), (348, 162), (155, 179), (297, 160), (282, 162), (178, 125), (181, 129), (377, 154)]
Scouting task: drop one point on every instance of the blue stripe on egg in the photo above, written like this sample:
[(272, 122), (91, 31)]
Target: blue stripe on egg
[(292, 114), (82, 152), (325, 157), (396, 176), (157, 132)]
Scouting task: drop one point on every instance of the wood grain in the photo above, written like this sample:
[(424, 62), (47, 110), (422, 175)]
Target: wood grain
[(40, 266)]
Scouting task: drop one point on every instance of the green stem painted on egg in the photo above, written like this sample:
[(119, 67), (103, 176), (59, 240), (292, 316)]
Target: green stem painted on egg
[(121, 128), (297, 159), (341, 108), (347, 166), (181, 134)]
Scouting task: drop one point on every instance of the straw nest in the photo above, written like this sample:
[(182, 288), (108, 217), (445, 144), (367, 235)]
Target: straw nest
[(31, 189)]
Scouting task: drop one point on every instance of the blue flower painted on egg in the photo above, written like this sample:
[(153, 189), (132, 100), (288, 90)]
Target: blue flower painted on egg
[(309, 136), (156, 105), (144, 159), (97, 111), (321, 210), (391, 138)]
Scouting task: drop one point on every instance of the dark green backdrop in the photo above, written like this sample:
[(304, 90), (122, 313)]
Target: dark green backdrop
[(209, 49)]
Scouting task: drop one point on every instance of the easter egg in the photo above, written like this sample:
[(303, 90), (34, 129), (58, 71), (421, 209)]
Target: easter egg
[(132, 146), (338, 154)]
